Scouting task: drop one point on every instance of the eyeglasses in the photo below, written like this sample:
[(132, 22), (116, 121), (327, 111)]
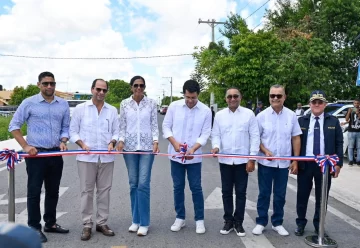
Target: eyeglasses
[(98, 90), (139, 85), (314, 102), (46, 84), (232, 96), (278, 96)]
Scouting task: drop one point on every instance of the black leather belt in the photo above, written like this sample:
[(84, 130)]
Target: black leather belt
[(41, 149)]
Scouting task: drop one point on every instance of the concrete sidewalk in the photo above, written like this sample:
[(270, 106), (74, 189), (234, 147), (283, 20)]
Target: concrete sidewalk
[(346, 188)]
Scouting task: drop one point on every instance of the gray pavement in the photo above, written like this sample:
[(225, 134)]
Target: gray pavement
[(342, 223)]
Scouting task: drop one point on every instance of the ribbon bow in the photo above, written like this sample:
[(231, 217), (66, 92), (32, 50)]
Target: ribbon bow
[(183, 150), (11, 156), (327, 160)]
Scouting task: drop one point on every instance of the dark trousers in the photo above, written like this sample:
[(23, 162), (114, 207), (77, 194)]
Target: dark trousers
[(275, 179), (305, 183), (39, 170), (234, 175)]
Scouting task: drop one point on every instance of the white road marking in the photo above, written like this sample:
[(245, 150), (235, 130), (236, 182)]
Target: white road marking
[(214, 201), (23, 216), (334, 211)]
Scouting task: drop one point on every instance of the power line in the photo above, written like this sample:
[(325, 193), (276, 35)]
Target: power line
[(257, 9), (96, 58)]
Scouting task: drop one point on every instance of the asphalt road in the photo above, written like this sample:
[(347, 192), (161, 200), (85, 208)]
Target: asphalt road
[(342, 223)]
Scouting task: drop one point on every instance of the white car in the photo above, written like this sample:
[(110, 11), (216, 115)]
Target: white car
[(339, 111), (73, 104)]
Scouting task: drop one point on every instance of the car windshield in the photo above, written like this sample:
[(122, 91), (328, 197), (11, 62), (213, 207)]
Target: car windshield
[(73, 104), (330, 109)]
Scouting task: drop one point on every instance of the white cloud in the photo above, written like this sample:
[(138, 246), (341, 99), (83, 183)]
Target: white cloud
[(67, 28)]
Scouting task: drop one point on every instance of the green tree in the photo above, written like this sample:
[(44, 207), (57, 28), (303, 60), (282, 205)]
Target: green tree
[(20, 93), (166, 100), (118, 91)]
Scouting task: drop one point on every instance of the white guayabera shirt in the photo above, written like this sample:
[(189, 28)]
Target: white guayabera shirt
[(188, 126), (94, 129), (138, 124), (235, 133)]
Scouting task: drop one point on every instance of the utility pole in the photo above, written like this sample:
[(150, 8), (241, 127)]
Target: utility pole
[(171, 88), (212, 24)]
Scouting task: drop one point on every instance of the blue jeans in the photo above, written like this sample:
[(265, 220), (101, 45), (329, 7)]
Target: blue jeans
[(275, 179), (354, 138), (178, 172), (139, 172)]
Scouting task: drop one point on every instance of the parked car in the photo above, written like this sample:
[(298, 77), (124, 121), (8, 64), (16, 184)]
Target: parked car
[(73, 104), (162, 108), (163, 111)]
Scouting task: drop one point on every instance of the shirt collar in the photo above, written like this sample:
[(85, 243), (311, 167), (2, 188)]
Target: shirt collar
[(237, 110), (274, 112), (142, 100), (90, 102), (41, 98), (320, 116), (196, 106)]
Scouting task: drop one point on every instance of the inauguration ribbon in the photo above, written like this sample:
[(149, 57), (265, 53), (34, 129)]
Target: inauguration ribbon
[(11, 156), (14, 157), (181, 155), (327, 160)]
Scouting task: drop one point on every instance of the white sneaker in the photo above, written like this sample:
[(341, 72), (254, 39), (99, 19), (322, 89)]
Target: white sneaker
[(280, 230), (200, 227), (178, 224), (134, 227), (143, 230), (258, 230)]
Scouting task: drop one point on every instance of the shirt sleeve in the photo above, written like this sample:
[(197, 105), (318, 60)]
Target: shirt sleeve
[(75, 124), (254, 135), (296, 130), (115, 131), (168, 122), (122, 120), (64, 133), (20, 117), (154, 121), (215, 133), (206, 129)]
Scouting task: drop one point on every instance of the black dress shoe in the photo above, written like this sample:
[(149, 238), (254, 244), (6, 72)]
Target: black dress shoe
[(43, 238), (56, 229), (299, 231), (325, 234)]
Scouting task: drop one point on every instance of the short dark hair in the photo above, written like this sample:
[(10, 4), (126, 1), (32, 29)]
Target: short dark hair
[(136, 78), (357, 100), (45, 74), (233, 88), (191, 86), (94, 83)]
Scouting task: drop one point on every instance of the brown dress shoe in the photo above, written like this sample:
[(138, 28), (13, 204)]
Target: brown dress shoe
[(86, 234), (104, 229)]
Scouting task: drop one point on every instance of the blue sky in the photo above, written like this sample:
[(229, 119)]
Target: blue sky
[(110, 28)]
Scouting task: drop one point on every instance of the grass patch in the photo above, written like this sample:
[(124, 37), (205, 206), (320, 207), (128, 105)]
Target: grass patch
[(4, 126)]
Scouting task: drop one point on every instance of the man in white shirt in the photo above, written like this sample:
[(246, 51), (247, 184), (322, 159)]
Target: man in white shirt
[(95, 126), (187, 121), (279, 132), (299, 111), (235, 131)]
